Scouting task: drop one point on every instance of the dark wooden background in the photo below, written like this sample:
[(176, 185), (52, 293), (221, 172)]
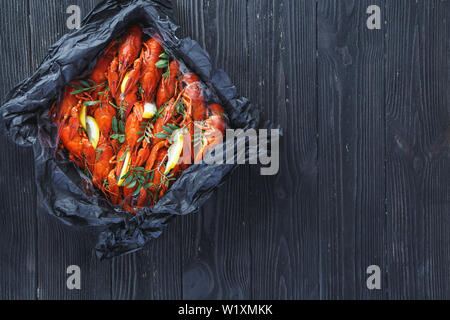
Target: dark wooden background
[(365, 167)]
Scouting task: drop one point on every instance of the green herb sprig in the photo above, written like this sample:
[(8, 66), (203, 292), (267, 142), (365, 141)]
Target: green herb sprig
[(168, 131), (147, 133), (139, 177), (121, 109), (180, 108), (163, 63), (86, 85), (118, 127), (91, 103), (159, 113), (166, 180), (198, 139)]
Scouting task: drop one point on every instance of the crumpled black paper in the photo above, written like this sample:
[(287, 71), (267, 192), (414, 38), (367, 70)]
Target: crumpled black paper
[(60, 184)]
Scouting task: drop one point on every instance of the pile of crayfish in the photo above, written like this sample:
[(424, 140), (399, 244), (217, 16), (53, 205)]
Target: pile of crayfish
[(130, 125)]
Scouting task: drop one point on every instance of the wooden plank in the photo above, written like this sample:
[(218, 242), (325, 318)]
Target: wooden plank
[(351, 148), (309, 232), (18, 192), (418, 133), (153, 273), (61, 246), (283, 208), (216, 246)]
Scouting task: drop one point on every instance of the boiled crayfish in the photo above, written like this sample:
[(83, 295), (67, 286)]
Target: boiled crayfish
[(130, 125)]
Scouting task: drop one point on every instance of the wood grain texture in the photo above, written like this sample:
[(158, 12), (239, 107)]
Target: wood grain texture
[(59, 245), (283, 208), (364, 173), (216, 242), (153, 273), (418, 141), (17, 191), (351, 148)]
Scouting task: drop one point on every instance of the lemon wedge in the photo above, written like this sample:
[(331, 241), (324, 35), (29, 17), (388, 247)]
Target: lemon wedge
[(93, 131), (175, 150), (125, 168), (124, 82), (82, 116), (149, 110)]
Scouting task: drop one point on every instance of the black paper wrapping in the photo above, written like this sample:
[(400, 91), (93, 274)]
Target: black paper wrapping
[(60, 184)]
